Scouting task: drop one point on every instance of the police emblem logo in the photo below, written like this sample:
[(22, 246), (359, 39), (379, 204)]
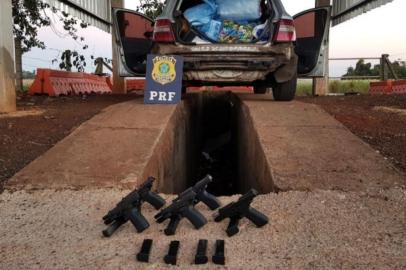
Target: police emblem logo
[(163, 71)]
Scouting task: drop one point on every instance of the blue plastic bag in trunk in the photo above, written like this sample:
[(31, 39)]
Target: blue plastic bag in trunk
[(239, 10), (201, 14)]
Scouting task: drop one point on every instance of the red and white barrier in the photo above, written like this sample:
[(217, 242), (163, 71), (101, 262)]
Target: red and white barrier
[(57, 82), (399, 87), (388, 87), (383, 87)]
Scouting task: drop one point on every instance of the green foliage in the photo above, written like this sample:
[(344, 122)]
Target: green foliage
[(304, 87), (28, 18), (346, 86), (151, 8), (26, 86), (30, 15), (362, 69), (71, 59), (399, 68), (28, 74), (366, 69)]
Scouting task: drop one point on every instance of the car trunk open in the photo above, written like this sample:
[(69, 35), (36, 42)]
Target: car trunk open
[(172, 33), (223, 22)]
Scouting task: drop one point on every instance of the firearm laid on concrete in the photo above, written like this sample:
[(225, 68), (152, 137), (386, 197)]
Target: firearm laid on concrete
[(129, 208), (184, 206), (240, 209)]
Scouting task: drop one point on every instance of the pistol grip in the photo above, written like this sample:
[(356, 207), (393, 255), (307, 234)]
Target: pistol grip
[(138, 220), (210, 200), (155, 200), (195, 217), (256, 217), (172, 226), (232, 228)]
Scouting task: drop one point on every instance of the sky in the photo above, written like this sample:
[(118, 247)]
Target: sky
[(379, 31)]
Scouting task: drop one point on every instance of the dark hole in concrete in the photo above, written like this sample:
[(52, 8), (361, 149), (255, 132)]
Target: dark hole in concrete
[(212, 133), (214, 117)]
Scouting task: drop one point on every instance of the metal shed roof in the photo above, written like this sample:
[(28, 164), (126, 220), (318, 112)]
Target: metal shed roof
[(344, 10), (98, 12), (95, 12)]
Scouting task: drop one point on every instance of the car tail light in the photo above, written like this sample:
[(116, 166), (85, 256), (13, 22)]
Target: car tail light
[(285, 31), (163, 31)]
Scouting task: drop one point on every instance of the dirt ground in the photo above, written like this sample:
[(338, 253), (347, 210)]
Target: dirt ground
[(378, 120), (40, 123)]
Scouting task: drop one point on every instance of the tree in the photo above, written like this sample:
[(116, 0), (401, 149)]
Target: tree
[(400, 68), (362, 69), (29, 16), (151, 8), (365, 69), (66, 61)]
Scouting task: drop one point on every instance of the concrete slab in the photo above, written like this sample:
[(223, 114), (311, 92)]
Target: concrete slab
[(110, 150), (306, 149), (282, 146), (356, 225), (308, 230)]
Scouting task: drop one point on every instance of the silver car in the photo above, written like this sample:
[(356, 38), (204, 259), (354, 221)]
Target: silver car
[(294, 46)]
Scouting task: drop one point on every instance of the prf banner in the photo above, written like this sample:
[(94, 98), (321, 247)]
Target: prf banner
[(163, 79)]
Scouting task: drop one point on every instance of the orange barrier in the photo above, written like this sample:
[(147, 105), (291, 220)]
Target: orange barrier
[(383, 87), (57, 82), (135, 84), (109, 82), (399, 87)]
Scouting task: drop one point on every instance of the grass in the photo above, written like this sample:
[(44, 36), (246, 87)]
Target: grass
[(26, 84), (304, 87)]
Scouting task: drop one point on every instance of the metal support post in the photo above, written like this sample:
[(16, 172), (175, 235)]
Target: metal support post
[(320, 85), (119, 86), (7, 75)]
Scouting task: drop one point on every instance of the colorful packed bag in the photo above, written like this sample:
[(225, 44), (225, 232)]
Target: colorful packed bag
[(233, 32)]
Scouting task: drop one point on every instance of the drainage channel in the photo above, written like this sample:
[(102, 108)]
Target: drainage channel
[(211, 133), (214, 117)]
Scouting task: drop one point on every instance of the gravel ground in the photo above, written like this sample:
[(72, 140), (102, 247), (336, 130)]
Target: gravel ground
[(307, 230)]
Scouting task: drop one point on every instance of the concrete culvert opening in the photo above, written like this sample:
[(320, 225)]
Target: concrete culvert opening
[(212, 133), (215, 153)]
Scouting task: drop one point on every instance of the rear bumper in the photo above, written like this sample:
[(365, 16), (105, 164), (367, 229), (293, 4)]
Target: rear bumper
[(217, 63)]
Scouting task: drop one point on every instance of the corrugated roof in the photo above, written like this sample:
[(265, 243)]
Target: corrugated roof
[(344, 10), (95, 12), (98, 12)]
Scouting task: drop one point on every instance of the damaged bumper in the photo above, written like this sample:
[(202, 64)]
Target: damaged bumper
[(229, 63)]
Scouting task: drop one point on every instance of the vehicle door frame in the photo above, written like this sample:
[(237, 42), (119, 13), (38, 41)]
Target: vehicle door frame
[(123, 68), (321, 67)]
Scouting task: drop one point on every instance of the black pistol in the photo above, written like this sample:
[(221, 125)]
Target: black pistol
[(182, 206), (240, 209), (202, 195), (129, 208)]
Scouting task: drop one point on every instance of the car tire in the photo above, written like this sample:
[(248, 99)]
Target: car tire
[(285, 91)]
